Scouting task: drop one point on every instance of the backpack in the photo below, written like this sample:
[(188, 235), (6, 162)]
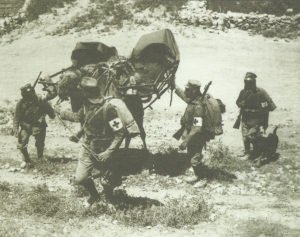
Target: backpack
[(213, 115)]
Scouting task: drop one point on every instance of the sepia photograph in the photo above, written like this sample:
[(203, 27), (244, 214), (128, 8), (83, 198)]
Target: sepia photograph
[(146, 118)]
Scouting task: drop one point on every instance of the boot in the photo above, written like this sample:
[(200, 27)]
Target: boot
[(40, 152), (195, 178), (89, 185), (192, 180), (26, 159)]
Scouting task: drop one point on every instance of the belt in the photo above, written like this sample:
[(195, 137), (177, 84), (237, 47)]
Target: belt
[(90, 139)]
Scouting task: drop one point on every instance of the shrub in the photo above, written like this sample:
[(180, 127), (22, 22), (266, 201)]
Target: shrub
[(38, 7), (221, 157), (5, 187), (170, 5), (174, 214)]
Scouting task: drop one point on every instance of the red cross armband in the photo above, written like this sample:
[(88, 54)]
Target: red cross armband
[(264, 104), (197, 122), (116, 124)]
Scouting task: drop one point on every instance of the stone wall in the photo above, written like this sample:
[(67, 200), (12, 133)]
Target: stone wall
[(276, 7), (10, 7), (196, 13)]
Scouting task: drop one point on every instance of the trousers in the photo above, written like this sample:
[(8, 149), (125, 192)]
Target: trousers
[(110, 174)]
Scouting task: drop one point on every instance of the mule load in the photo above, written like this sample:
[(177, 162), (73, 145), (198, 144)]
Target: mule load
[(147, 73), (139, 80)]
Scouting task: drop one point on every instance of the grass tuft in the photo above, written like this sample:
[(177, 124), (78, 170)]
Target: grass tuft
[(173, 214), (221, 157), (137, 211), (254, 228), (5, 187)]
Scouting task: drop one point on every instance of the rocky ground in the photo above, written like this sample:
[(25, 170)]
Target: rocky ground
[(239, 198)]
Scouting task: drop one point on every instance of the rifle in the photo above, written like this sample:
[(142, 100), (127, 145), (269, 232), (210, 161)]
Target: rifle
[(179, 133), (45, 83), (91, 152), (61, 71), (237, 122), (36, 80)]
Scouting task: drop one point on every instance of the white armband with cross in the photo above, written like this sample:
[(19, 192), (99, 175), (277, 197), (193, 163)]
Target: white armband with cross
[(197, 122), (116, 124), (264, 104)]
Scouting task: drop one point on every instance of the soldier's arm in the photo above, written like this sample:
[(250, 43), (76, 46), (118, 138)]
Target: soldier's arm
[(240, 101), (17, 117), (118, 128), (271, 104), (116, 125), (117, 141), (197, 118), (180, 93), (49, 110), (188, 138), (71, 116)]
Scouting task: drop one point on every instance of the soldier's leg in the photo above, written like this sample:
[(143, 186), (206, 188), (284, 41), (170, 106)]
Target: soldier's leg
[(82, 177), (111, 176), (40, 135), (23, 139), (245, 130), (135, 106), (195, 152)]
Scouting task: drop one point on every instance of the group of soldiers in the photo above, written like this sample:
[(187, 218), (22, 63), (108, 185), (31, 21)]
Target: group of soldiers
[(106, 122)]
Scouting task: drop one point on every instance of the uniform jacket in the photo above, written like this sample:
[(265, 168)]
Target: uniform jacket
[(32, 113), (102, 121), (193, 116), (255, 106)]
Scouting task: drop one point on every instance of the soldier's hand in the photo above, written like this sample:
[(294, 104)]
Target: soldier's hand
[(183, 146), (74, 139), (47, 78), (103, 157)]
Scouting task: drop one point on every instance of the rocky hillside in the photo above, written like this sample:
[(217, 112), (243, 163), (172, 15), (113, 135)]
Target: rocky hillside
[(68, 16), (10, 7)]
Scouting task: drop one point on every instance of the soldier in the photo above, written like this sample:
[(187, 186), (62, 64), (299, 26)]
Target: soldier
[(195, 133), (255, 105), (29, 120), (106, 123)]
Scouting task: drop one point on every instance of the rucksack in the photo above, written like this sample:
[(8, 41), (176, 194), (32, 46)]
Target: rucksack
[(213, 115)]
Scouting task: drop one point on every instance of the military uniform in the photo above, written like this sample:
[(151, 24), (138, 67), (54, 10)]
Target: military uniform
[(107, 122), (30, 116), (195, 128), (255, 105)]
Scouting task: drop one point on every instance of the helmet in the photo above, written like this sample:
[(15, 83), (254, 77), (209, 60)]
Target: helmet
[(193, 84), (27, 92)]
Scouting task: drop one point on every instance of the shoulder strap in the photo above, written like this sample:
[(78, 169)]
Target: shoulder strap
[(96, 110)]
